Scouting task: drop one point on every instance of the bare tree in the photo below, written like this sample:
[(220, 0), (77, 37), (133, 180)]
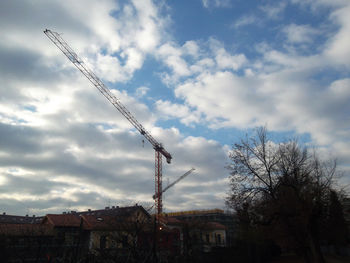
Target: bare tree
[(283, 187)]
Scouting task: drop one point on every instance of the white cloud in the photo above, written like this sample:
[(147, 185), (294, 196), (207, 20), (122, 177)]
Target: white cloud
[(225, 99), (317, 4), (109, 68), (191, 48), (204, 57), (283, 100), (224, 59), (300, 33), (216, 3), (338, 48), (340, 88), (274, 11), (244, 21), (281, 89), (171, 55), (227, 61), (62, 135), (141, 91), (166, 110)]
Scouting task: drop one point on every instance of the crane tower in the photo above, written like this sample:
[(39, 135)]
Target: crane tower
[(158, 147)]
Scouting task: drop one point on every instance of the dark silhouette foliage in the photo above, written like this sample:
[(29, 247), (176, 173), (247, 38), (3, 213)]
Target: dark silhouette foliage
[(284, 192)]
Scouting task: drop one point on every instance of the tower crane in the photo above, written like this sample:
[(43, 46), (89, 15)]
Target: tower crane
[(90, 75), (176, 181)]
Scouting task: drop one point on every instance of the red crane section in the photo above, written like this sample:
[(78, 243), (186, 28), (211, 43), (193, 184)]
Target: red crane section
[(158, 147)]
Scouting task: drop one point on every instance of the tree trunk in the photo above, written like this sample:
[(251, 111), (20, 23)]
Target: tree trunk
[(315, 251)]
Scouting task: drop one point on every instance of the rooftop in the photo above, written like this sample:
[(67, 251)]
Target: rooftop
[(12, 219)]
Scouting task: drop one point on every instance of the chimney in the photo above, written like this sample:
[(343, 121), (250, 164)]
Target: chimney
[(107, 207), (113, 207), (64, 213), (89, 210), (4, 213), (33, 215)]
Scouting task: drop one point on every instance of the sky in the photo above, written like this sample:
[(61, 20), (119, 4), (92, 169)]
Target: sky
[(198, 74)]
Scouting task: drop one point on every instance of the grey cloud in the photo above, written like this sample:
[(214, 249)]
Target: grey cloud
[(19, 139), (20, 64), (36, 16), (28, 185), (65, 150), (23, 145), (17, 62)]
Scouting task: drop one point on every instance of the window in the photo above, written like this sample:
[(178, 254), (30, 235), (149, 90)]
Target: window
[(103, 241), (207, 238), (125, 241)]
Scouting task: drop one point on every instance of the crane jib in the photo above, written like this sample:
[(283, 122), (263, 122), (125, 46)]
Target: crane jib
[(78, 63)]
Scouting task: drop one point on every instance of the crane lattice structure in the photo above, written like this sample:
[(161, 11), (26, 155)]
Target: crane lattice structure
[(175, 182), (158, 147)]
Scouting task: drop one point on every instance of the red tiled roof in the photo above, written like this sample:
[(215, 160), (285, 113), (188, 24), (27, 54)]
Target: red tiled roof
[(103, 222), (64, 220), (116, 211), (107, 219)]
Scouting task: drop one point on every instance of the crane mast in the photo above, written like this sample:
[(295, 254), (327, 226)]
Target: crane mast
[(90, 75)]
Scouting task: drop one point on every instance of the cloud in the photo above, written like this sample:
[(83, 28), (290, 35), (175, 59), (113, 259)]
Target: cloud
[(338, 49), (244, 21), (282, 88), (64, 138), (225, 60), (219, 95), (216, 3), (209, 177), (171, 55), (61, 165), (297, 34), (194, 58), (191, 48), (167, 110), (63, 145), (316, 5), (141, 91), (274, 11)]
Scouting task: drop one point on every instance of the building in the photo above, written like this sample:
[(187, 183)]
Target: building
[(73, 236), (12, 219), (114, 234), (224, 222), (25, 242), (108, 233)]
